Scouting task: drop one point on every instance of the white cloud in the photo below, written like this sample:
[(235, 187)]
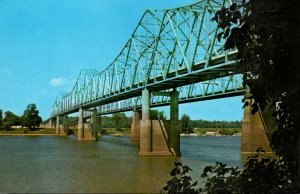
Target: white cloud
[(58, 82)]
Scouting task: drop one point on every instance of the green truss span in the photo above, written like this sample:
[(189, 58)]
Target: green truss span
[(172, 48)]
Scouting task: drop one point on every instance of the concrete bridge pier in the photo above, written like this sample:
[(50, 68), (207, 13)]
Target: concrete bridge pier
[(65, 126), (80, 132), (60, 128), (86, 131), (50, 124), (146, 125), (135, 125), (96, 124), (159, 137), (254, 131), (174, 123)]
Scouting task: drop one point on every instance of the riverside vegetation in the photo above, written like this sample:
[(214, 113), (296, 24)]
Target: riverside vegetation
[(117, 124), (30, 120)]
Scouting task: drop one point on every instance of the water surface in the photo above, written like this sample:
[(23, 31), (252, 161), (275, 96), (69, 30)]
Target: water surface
[(111, 165)]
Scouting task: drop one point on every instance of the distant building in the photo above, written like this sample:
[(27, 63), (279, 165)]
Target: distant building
[(212, 133), (16, 127)]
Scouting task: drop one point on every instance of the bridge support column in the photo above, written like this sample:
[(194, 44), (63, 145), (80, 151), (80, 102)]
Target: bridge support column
[(254, 132), (96, 124), (50, 123), (159, 137), (174, 123), (146, 131), (135, 125), (80, 133), (64, 127), (85, 130), (57, 125), (60, 128)]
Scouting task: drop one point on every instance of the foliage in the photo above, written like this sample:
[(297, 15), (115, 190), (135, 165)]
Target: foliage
[(118, 119), (265, 175), (229, 131), (221, 179), (253, 178), (31, 116), (1, 118), (181, 181), (155, 114), (108, 122), (215, 124), (266, 36), (10, 119), (185, 124)]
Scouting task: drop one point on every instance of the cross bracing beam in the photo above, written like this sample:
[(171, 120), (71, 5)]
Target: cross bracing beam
[(168, 49)]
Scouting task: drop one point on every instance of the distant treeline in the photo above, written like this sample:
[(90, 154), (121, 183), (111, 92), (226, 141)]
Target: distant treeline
[(117, 120), (215, 124), (120, 120)]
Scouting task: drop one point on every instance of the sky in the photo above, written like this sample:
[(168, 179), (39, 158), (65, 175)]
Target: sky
[(44, 44)]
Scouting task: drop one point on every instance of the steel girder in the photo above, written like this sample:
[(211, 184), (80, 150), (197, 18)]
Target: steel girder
[(217, 88), (168, 49)]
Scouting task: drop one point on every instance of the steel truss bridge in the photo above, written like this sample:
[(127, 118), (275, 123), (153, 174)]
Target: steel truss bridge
[(168, 49)]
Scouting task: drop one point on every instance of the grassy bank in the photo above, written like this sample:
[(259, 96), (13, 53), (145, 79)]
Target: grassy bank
[(25, 131)]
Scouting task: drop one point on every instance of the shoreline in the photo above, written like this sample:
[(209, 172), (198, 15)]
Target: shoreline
[(8, 134), (205, 135), (117, 135)]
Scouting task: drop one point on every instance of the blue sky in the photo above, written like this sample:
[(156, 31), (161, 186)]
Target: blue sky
[(44, 44)]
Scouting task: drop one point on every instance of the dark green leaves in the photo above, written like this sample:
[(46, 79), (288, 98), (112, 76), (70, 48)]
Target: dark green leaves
[(181, 182)]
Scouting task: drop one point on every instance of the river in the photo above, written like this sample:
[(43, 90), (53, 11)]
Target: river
[(112, 165)]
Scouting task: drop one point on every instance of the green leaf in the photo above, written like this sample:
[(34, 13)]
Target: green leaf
[(219, 36), (232, 7), (226, 32)]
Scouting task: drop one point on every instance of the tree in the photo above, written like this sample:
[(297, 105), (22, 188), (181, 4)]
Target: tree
[(218, 179), (155, 114), (1, 118), (11, 119), (118, 120), (31, 116), (186, 124), (266, 35)]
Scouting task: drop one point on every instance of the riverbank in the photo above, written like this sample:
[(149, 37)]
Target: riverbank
[(209, 134), (27, 132), (121, 132)]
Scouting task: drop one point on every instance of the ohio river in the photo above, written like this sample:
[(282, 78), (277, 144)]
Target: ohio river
[(63, 165)]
